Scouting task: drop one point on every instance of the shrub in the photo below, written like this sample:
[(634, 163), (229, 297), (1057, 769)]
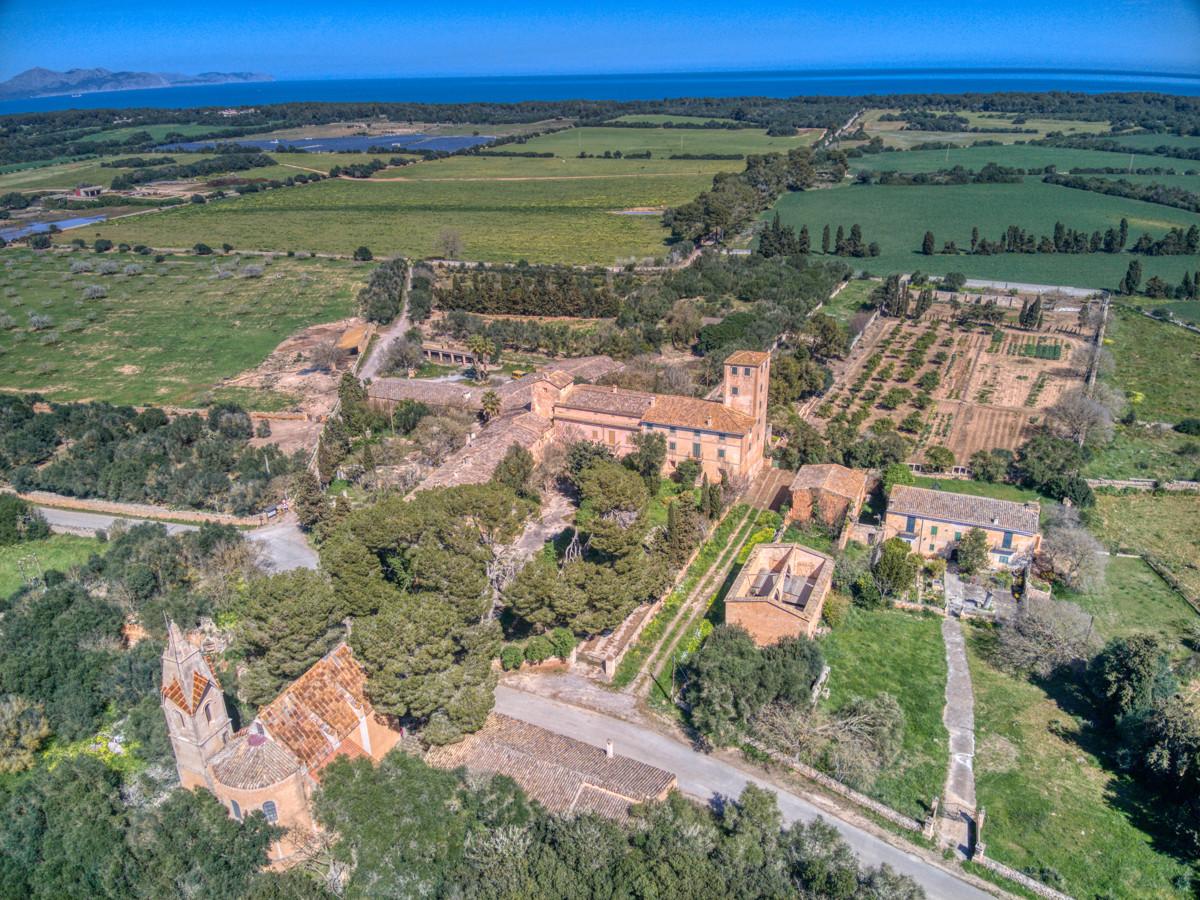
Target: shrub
[(1189, 426), (363, 254), (563, 640), (50, 337), (72, 325), (251, 271), (124, 248), (40, 242), (202, 250), (835, 608), (108, 267), (133, 269), (539, 649), (102, 245), (511, 657), (94, 292), (81, 265)]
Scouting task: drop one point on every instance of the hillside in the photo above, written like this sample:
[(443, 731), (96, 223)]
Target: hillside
[(39, 82)]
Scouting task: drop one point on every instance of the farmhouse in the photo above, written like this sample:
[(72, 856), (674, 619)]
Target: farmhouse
[(932, 522), (88, 190), (565, 775), (780, 592), (275, 764), (827, 493), (726, 437)]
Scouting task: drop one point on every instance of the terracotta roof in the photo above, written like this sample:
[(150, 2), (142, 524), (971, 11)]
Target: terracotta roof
[(559, 379), (425, 391), (839, 480), (563, 774), (319, 708), (476, 462), (702, 415), (963, 509), (174, 693), (252, 762), (746, 358), (612, 401), (346, 748)]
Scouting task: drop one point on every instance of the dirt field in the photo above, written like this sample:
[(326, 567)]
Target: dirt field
[(991, 393)]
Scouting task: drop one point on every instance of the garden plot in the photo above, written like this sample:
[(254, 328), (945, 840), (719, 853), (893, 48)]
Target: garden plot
[(965, 389)]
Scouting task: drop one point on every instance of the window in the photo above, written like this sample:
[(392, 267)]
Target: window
[(721, 453), (1004, 560), (595, 434), (612, 437), (734, 390), (208, 713), (747, 371), (933, 531), (910, 524), (958, 535), (1007, 545), (269, 812), (672, 429), (178, 718), (672, 446), (237, 810), (696, 450), (931, 548)]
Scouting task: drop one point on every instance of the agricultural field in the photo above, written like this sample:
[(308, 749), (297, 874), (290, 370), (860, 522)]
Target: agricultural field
[(539, 220), (1157, 365), (1165, 525), (897, 217), (850, 300), (913, 670), (1187, 310), (166, 335), (1188, 142), (983, 393), (1054, 803), (156, 132), (63, 177), (1023, 157), (59, 551), (662, 142), (1141, 451), (894, 135), (663, 119), (495, 168), (1135, 600)]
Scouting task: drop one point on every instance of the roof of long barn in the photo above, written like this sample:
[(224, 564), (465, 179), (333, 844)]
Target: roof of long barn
[(702, 415), (832, 478), (964, 509), (561, 773)]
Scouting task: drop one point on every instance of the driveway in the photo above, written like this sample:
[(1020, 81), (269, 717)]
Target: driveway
[(706, 778), (284, 545)]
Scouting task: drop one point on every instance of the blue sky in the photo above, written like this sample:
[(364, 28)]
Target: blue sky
[(366, 39)]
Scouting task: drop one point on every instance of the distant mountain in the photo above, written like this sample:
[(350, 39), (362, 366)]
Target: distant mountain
[(47, 83)]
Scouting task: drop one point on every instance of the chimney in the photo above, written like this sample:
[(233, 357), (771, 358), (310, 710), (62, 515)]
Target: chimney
[(608, 748), (995, 521)]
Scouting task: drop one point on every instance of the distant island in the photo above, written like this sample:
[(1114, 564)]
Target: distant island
[(41, 82)]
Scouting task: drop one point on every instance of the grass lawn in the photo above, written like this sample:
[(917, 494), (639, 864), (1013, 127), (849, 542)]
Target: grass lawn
[(1188, 310), (1135, 600), (1166, 525), (897, 218), (59, 551), (995, 490), (1141, 452), (542, 221), (1051, 803), (903, 654), (163, 336), (662, 142), (1158, 365), (849, 300), (63, 177)]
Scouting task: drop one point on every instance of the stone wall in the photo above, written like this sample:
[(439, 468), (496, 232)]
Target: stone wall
[(1022, 879)]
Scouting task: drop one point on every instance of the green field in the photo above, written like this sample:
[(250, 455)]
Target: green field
[(1141, 452), (1166, 526), (495, 168), (849, 300), (1158, 365), (156, 132), (163, 336), (1135, 600), (540, 220), (59, 551), (661, 119), (1051, 802), (898, 217), (662, 142), (913, 670), (62, 177), (1020, 157), (1187, 310), (1190, 142)]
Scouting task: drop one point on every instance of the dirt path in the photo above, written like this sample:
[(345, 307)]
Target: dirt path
[(958, 804), (532, 177), (370, 368)]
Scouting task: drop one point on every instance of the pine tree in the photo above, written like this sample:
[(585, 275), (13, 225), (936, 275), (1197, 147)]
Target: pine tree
[(307, 499), (825, 240), (927, 245)]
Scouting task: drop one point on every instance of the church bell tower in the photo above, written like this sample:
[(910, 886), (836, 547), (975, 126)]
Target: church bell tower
[(191, 699)]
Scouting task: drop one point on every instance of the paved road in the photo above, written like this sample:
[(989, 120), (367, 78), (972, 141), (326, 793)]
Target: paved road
[(284, 545), (705, 777)]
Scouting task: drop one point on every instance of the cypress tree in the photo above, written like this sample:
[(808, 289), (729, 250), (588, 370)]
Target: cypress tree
[(368, 459), (974, 238), (803, 245), (927, 245), (1123, 237), (839, 241), (825, 240), (705, 507)]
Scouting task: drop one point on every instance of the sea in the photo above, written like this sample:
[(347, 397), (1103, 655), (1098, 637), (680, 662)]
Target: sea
[(513, 89)]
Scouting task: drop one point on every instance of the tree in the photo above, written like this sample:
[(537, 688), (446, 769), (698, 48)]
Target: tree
[(363, 254), (985, 466), (400, 356), (1075, 556), (648, 458), (307, 499), (288, 622), (23, 730), (1082, 418), (825, 240), (516, 471), (1133, 278), (483, 349), (896, 568), (939, 457), (896, 473), (325, 356), (449, 244), (490, 405), (1133, 674), (972, 551), (927, 245), (1044, 636)]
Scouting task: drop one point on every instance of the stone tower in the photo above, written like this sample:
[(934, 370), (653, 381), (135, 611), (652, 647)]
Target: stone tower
[(197, 720), (747, 375)]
